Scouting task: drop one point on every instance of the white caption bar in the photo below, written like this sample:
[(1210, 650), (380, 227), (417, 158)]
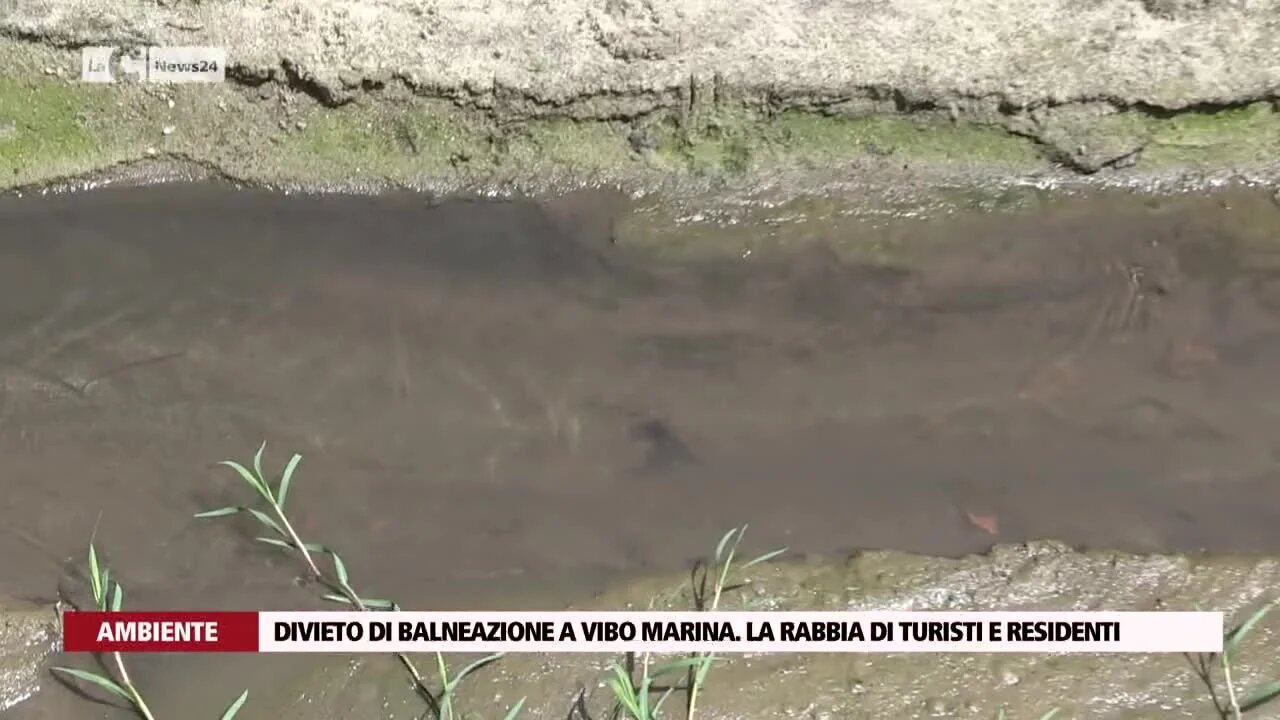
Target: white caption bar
[(741, 632)]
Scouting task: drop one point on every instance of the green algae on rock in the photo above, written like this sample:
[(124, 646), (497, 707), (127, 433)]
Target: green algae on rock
[(53, 127)]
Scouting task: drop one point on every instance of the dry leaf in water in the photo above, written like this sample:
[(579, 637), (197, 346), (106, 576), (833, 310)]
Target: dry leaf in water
[(986, 523)]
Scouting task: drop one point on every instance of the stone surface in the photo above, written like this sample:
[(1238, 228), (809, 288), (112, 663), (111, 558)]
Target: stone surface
[(28, 634), (471, 91), (586, 56)]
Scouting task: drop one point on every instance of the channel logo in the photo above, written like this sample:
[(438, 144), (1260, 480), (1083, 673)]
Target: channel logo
[(162, 64)]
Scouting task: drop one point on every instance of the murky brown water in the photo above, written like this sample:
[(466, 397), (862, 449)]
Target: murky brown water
[(490, 395)]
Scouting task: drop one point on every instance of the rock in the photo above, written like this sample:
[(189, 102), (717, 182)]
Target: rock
[(637, 29), (790, 53), (29, 633), (1091, 137), (1176, 9)]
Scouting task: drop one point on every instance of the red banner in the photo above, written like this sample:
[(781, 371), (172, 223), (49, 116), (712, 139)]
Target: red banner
[(160, 631)]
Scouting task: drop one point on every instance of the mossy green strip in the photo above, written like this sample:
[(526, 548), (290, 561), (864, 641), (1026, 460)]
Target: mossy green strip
[(51, 127), (735, 143), (44, 130), (1241, 135), (815, 137)]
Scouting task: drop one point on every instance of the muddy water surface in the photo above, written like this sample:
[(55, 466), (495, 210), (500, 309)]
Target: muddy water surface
[(491, 396)]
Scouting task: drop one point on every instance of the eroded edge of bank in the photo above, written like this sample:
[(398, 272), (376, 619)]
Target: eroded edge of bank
[(275, 129)]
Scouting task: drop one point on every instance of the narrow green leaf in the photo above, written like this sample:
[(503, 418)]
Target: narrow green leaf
[(627, 702), (332, 597), (643, 697), (316, 548), (286, 478), (117, 598), (378, 604), (658, 705), (258, 486), (266, 519), (621, 676), (764, 558), (703, 669), (1000, 714), (724, 542), (275, 541), (1236, 635), (96, 679), (1050, 715), (625, 692), (340, 569), (444, 673), (475, 666), (95, 576), (726, 566), (220, 512), (515, 709), (234, 708), (257, 461), (106, 589), (1261, 696)]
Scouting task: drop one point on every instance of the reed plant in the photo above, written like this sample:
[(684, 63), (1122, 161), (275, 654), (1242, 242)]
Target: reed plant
[(281, 533), (108, 596)]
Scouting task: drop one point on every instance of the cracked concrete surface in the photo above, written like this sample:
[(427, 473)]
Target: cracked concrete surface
[(530, 57), (1087, 83)]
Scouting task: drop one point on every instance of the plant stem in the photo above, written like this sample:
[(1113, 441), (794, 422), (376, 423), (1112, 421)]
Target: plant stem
[(693, 691), (297, 542), (356, 602), (446, 702), (137, 697), (347, 592), (645, 684), (698, 674), (413, 671), (1231, 687)]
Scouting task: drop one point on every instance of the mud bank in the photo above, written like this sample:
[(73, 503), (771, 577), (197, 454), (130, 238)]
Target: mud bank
[(1035, 576), (665, 93)]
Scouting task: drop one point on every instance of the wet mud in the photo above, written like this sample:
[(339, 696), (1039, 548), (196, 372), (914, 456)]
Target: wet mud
[(514, 400), (1035, 576)]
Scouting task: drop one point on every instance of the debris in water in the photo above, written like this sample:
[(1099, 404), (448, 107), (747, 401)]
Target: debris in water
[(986, 523)]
